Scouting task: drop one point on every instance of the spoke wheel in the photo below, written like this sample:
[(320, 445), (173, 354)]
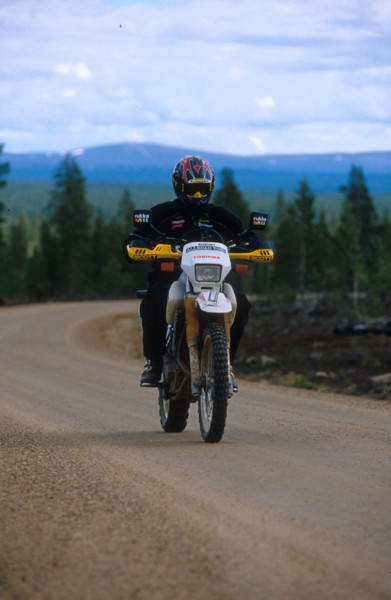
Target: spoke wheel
[(213, 401), (173, 414)]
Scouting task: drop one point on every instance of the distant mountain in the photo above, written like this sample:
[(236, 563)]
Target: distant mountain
[(130, 163)]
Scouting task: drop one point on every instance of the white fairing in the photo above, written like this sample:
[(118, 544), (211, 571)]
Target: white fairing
[(212, 297), (230, 295), (175, 298), (205, 253)]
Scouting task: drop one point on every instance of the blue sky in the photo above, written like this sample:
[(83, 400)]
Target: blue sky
[(248, 77)]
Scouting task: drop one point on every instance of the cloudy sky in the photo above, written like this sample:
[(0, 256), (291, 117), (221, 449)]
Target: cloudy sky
[(236, 76)]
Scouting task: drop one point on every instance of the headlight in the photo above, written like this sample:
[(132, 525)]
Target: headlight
[(208, 272)]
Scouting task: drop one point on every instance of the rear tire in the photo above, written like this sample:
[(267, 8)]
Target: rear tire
[(213, 401), (173, 414)]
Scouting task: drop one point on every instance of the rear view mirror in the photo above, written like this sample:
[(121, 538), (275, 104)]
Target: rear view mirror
[(142, 219), (258, 221)]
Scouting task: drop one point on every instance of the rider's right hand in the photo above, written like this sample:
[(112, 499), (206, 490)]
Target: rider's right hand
[(142, 242), (138, 242)]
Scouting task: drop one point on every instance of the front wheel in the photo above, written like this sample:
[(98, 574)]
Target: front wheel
[(213, 400), (173, 414)]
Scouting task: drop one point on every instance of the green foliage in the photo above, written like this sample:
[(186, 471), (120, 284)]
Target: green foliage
[(286, 237), (301, 381), (4, 170), (356, 237), (322, 255), (31, 197), (230, 196), (14, 261), (69, 215), (357, 197), (304, 213)]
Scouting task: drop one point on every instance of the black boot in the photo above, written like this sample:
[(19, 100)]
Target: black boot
[(150, 377)]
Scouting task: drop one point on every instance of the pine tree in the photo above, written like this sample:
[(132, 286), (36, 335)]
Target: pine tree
[(133, 276), (280, 207), (125, 210), (53, 281), (17, 259), (286, 237), (230, 196), (349, 256), (303, 210), (357, 196), (123, 226), (322, 255), (70, 216), (381, 277), (358, 233), (4, 170)]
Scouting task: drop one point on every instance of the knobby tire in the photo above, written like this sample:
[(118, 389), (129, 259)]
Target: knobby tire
[(213, 402), (173, 414)]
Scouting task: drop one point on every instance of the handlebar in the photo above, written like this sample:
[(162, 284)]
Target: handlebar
[(139, 252)]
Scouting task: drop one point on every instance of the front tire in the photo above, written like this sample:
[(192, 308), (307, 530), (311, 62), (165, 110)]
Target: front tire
[(173, 414), (213, 401)]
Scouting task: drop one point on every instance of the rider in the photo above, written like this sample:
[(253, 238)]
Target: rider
[(193, 180)]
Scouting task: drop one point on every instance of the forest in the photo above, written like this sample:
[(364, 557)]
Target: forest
[(72, 251)]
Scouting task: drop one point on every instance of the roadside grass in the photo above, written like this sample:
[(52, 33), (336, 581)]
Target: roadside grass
[(301, 381)]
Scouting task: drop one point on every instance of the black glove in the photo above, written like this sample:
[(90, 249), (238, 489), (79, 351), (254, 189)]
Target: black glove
[(254, 243), (142, 242), (136, 240)]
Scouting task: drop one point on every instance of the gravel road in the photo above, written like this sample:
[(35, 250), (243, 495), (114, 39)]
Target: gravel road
[(97, 502)]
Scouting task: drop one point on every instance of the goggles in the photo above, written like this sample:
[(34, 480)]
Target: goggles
[(197, 191)]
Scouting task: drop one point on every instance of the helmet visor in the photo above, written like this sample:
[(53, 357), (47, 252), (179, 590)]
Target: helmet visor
[(197, 192)]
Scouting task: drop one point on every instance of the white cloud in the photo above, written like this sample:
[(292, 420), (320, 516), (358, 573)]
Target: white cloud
[(265, 102), (68, 93), (79, 70), (78, 152), (258, 143)]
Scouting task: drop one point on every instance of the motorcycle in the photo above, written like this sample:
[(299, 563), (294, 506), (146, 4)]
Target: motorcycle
[(200, 310)]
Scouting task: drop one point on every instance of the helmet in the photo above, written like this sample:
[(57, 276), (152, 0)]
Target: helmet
[(193, 180)]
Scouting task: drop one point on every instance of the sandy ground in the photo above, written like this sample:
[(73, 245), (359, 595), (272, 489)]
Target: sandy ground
[(96, 502)]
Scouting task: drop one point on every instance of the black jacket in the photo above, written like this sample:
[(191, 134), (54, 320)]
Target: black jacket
[(174, 219)]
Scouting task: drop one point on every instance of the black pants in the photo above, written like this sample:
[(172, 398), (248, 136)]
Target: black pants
[(153, 319)]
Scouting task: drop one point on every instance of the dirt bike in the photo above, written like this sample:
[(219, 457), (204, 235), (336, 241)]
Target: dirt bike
[(200, 310)]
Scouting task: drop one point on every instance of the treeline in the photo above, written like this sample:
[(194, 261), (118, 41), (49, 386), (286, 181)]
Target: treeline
[(73, 252), (348, 257)]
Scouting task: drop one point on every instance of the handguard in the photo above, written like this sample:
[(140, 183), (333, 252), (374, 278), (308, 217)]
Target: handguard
[(257, 255), (159, 252)]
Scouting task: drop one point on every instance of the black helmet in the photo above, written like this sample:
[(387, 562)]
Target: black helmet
[(193, 180)]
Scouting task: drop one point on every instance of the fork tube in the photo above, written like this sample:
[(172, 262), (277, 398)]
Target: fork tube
[(227, 328), (228, 336), (192, 337)]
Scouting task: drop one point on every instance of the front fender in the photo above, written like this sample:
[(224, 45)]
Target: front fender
[(214, 302)]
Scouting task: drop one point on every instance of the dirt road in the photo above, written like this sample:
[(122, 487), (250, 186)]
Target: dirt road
[(96, 502)]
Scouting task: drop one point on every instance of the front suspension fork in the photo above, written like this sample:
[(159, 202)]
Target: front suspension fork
[(193, 331)]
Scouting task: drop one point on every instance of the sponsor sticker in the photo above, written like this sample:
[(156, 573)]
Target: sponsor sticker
[(177, 223), (206, 248)]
